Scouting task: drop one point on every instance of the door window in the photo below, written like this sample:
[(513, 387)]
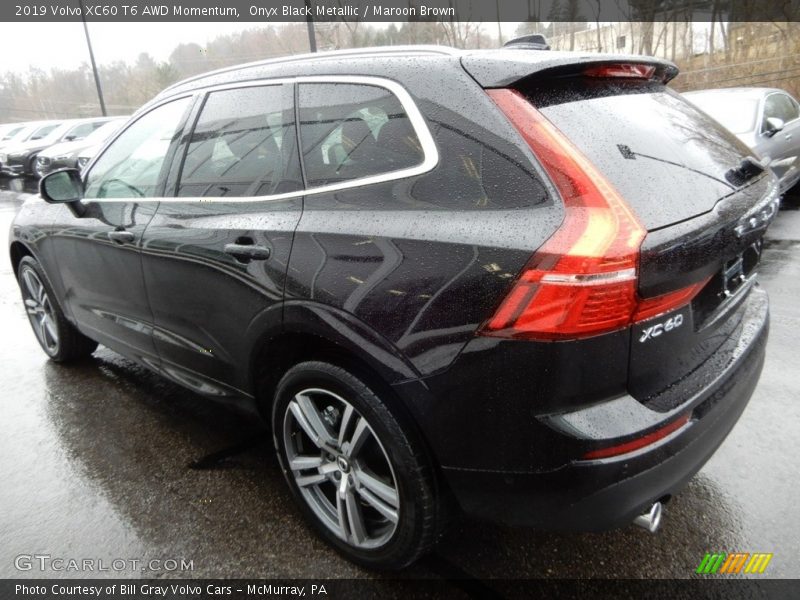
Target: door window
[(242, 145), (131, 165), (349, 131)]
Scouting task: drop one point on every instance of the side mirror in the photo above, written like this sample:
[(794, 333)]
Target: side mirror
[(772, 126), (60, 187), (70, 138)]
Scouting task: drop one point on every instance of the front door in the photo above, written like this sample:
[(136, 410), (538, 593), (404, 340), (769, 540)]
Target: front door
[(98, 248)]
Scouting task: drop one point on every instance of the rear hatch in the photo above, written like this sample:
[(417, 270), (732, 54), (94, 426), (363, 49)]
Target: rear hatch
[(693, 186)]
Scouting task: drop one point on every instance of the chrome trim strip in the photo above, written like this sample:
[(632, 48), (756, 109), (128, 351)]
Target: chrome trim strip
[(429, 149)]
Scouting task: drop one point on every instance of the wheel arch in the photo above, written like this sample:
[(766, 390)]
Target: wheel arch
[(18, 251), (314, 331)]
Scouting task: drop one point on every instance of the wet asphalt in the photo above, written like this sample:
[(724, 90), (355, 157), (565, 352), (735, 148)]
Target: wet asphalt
[(106, 460)]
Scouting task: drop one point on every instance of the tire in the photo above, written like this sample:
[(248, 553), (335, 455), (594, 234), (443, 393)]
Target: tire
[(58, 337), (385, 515), (32, 167)]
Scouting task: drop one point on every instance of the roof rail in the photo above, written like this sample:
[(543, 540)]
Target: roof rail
[(328, 54)]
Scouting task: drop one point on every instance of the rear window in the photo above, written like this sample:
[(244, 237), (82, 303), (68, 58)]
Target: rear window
[(351, 131), (667, 158)]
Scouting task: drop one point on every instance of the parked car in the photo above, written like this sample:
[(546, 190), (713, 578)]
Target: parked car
[(33, 135), (21, 159), (21, 135), (517, 284), (65, 154), (766, 119), (87, 154)]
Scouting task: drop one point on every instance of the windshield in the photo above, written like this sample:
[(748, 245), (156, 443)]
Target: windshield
[(11, 133), (103, 132), (43, 132), (737, 114)]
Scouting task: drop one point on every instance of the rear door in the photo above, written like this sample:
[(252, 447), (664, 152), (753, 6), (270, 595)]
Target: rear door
[(678, 170), (215, 254)]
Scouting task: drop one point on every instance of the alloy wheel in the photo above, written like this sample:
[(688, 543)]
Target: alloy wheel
[(341, 468), (40, 310)]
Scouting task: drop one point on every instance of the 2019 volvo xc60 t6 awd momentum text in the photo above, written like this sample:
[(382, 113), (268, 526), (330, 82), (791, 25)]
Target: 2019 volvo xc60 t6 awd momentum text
[(516, 284)]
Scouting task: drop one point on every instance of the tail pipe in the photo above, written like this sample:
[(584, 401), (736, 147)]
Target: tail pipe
[(651, 519)]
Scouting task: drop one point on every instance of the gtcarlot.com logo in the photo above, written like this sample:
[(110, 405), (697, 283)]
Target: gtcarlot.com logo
[(734, 563), (46, 562)]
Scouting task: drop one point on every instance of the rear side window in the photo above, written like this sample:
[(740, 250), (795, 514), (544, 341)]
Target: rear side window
[(242, 145), (351, 131)]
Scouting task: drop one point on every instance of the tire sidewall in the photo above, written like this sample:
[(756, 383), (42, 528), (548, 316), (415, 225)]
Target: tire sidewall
[(398, 550), (28, 263)]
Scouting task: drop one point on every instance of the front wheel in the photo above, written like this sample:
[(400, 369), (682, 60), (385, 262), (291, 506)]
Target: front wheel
[(359, 478), (57, 336)]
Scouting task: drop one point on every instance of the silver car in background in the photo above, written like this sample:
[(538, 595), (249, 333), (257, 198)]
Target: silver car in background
[(766, 119)]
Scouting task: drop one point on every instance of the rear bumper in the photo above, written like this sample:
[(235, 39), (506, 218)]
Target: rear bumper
[(593, 495)]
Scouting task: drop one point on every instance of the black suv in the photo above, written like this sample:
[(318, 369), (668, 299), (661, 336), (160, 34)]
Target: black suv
[(513, 283)]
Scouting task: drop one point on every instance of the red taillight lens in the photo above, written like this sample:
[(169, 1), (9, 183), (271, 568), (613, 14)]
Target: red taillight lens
[(583, 280), (624, 70), (651, 307), (645, 440)]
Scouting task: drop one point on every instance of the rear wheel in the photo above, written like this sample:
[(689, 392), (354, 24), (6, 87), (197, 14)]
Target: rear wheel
[(57, 336), (358, 477)]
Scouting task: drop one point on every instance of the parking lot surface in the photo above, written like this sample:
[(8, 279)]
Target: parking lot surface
[(105, 460)]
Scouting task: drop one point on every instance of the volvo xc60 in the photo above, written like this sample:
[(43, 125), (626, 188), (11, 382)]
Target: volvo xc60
[(516, 284)]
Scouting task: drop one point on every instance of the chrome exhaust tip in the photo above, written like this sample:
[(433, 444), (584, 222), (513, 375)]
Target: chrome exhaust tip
[(651, 519)]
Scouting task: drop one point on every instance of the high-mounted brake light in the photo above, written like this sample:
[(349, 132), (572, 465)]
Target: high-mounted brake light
[(583, 280), (625, 70)]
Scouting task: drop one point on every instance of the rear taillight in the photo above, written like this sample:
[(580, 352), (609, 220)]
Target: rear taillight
[(583, 280)]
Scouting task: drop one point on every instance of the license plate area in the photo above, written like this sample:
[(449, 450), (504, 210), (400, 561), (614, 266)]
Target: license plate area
[(730, 281)]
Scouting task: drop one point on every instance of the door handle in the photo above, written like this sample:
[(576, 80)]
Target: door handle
[(788, 136), (247, 252), (121, 236)]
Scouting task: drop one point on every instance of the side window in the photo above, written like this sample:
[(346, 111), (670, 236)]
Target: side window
[(349, 131), (242, 145), (780, 106), (130, 166)]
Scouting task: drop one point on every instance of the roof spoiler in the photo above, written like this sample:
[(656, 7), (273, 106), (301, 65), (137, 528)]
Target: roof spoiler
[(505, 67)]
